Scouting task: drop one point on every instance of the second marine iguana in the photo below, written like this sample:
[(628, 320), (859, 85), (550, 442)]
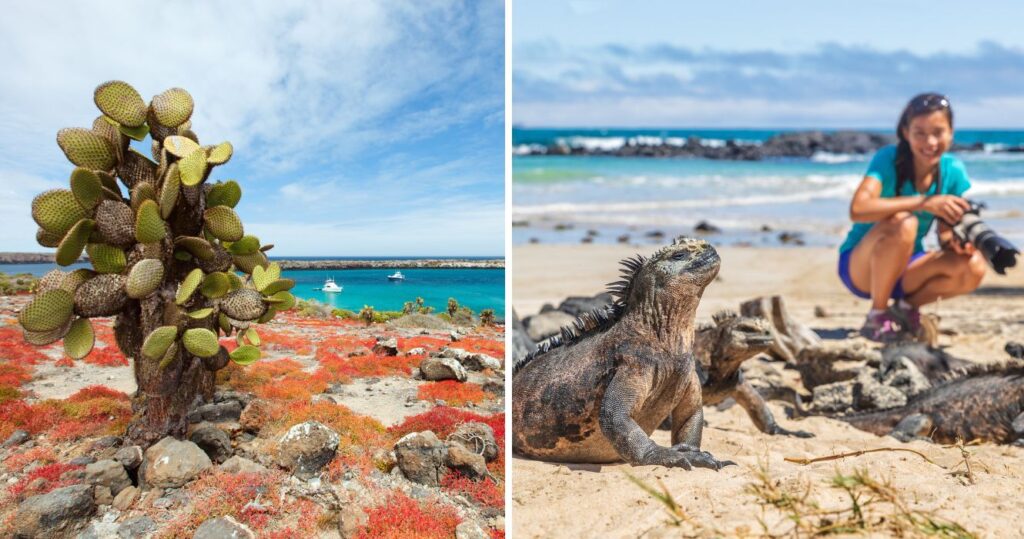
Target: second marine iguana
[(983, 402), (596, 393), (720, 350)]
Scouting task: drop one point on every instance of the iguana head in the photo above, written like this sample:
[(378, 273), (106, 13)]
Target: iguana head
[(681, 269), (732, 340)]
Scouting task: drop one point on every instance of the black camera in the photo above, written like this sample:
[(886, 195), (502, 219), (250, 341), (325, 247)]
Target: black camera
[(999, 252)]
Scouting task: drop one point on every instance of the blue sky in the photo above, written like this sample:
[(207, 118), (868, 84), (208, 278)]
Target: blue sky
[(601, 63), (360, 128)]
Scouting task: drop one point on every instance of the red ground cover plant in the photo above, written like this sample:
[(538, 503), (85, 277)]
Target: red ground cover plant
[(430, 344), (12, 376), (484, 492), (341, 368), (452, 392), (281, 379), (359, 434), (94, 410), (480, 345), (18, 461), (14, 348), (50, 472), (401, 517), (108, 356), (252, 499), (344, 345)]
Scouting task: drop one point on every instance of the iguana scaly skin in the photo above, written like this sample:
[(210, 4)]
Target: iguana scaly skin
[(720, 350), (984, 403), (596, 393)]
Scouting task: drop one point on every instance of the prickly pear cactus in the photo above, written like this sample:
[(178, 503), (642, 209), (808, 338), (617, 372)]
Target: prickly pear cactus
[(166, 252)]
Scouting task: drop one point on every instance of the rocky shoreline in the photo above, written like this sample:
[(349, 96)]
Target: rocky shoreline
[(799, 144)]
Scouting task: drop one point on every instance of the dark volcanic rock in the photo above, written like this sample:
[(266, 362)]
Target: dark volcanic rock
[(306, 448), (421, 458), (57, 514)]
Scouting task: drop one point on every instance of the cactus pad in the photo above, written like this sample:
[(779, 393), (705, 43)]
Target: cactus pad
[(121, 103), (75, 279), (115, 222), (198, 247), (180, 146), (51, 281), (142, 192), (42, 338), (46, 239), (136, 168), (70, 248), (243, 304), (245, 246), (144, 278), (47, 311), (223, 223), (282, 300), (80, 339), (215, 285), (188, 286), (172, 107), (249, 263), (103, 127), (245, 355), (106, 258), (199, 314), (149, 227), (200, 342), (169, 191), (192, 167), (87, 149), (134, 133), (224, 194), (103, 295), (158, 341), (56, 211), (277, 286), (219, 154), (87, 187)]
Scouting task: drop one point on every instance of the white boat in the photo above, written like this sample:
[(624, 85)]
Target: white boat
[(331, 286), (396, 276)]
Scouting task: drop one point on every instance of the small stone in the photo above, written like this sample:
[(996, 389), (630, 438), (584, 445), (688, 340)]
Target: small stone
[(386, 346), (223, 528), (102, 496), (126, 498), (467, 529), (834, 397), (17, 437), (136, 527), (172, 463), (84, 460), (108, 473), (60, 513), (220, 411), (477, 437), (442, 368), (465, 461), (213, 441), (306, 448), (820, 312), (416, 352), (237, 464), (129, 456), (255, 415), (421, 457)]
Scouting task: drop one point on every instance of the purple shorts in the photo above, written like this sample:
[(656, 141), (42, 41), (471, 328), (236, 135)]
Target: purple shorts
[(844, 274)]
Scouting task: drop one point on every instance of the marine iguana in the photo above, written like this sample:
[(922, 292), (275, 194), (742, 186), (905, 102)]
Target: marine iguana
[(983, 402), (720, 350), (595, 393)]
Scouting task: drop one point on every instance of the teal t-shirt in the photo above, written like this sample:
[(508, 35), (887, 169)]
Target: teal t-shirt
[(883, 168)]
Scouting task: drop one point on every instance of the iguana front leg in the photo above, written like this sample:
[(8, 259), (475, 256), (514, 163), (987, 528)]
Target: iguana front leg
[(624, 395), (759, 413)]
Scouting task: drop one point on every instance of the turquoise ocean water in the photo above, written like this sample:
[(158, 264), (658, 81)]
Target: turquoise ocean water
[(475, 288), (605, 197)]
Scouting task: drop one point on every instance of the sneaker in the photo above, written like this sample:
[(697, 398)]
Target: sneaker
[(881, 327), (908, 318)]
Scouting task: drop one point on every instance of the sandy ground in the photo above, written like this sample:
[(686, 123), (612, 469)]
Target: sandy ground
[(552, 500)]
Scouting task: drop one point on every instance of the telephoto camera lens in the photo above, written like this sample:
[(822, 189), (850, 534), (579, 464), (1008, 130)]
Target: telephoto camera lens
[(997, 250)]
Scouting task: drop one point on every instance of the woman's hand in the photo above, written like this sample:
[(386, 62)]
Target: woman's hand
[(949, 208), (962, 249)]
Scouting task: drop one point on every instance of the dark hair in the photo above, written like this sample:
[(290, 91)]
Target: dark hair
[(920, 105)]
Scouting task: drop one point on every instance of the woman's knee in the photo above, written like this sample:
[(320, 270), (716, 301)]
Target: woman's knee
[(900, 226), (973, 271)]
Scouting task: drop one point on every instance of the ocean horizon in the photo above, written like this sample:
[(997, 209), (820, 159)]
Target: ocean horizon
[(608, 199)]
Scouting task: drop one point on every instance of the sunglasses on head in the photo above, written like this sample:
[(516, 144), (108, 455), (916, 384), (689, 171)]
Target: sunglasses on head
[(928, 102)]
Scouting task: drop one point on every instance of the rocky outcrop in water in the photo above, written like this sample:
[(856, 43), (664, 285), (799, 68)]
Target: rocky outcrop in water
[(797, 144)]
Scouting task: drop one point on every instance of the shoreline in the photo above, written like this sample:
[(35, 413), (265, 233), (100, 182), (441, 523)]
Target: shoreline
[(408, 263)]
